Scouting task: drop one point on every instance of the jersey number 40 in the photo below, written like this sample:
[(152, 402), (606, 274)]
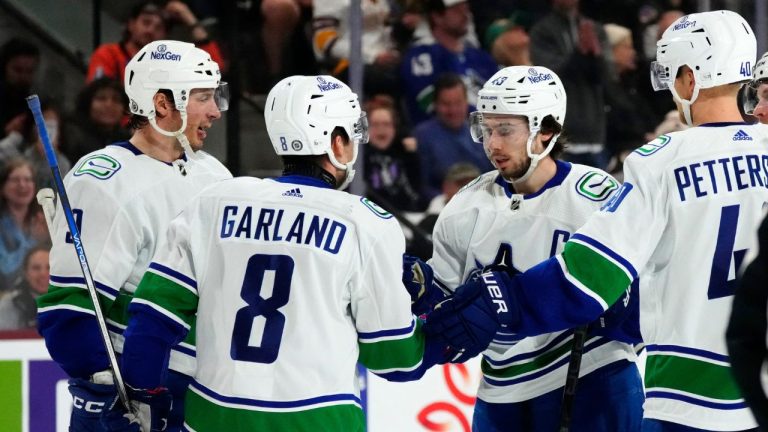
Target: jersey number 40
[(259, 266)]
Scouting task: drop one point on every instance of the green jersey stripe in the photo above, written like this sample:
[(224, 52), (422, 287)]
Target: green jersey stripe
[(537, 363), (698, 377), (404, 354), (169, 296), (204, 415), (595, 271), (70, 295)]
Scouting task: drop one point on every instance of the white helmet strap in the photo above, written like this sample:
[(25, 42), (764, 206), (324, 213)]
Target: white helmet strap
[(348, 168), (686, 104), (535, 158), (179, 134)]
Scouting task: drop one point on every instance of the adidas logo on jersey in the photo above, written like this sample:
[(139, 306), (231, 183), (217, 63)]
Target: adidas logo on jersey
[(294, 193), (742, 136)]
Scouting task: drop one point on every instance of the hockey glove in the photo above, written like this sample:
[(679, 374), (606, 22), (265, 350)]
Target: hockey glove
[(418, 279), (89, 400), (150, 411), (468, 320), (621, 320)]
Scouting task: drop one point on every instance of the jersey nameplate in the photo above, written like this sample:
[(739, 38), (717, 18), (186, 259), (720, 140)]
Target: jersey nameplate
[(654, 146), (100, 166), (378, 211), (596, 186)]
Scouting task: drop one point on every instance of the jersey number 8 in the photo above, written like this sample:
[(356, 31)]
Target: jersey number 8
[(281, 267)]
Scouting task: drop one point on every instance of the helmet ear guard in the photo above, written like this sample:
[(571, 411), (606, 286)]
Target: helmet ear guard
[(301, 113)]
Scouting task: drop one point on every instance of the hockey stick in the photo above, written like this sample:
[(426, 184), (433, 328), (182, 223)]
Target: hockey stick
[(572, 377), (34, 105)]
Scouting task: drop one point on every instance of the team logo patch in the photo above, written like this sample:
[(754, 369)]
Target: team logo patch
[(596, 186), (296, 145), (378, 211), (654, 146), (100, 166), (612, 204)]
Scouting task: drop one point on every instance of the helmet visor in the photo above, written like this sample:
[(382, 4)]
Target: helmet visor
[(221, 96), (660, 76), (755, 95), (476, 126), (360, 129)]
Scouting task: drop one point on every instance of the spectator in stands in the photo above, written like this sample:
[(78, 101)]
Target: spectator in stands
[(22, 224), (35, 152), (445, 139), (97, 120), (575, 48), (446, 51), (19, 61), (630, 118), (18, 310), (508, 41), (279, 20), (391, 164), (331, 42), (458, 176), (149, 21)]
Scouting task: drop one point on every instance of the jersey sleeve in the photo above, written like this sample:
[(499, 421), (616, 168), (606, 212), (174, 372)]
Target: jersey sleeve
[(66, 316), (451, 246), (598, 263), (163, 308), (390, 339)]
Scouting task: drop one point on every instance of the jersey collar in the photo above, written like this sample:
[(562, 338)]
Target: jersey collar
[(723, 124), (563, 168), (303, 180), (135, 150)]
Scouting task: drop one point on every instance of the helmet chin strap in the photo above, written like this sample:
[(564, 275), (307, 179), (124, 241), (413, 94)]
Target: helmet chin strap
[(348, 167), (686, 104), (179, 134), (535, 158)]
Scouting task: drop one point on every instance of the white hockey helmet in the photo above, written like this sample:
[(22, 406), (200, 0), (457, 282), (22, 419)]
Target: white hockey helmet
[(534, 92), (301, 112), (759, 76), (718, 46), (176, 66)]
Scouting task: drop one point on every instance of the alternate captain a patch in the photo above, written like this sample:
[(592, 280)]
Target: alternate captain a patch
[(596, 186), (100, 166)]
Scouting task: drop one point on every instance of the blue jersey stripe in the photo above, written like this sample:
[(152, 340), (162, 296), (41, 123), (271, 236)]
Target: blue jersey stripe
[(529, 355), (81, 281), (694, 401), (276, 404), (174, 274), (384, 333), (686, 350), (604, 249), (563, 361)]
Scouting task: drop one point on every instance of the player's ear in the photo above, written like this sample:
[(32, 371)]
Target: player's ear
[(337, 145), (163, 105)]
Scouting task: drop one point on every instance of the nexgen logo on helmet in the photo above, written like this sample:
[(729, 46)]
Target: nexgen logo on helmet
[(162, 53)]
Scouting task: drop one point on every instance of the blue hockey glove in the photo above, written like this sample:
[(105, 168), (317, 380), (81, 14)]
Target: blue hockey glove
[(468, 320), (621, 321), (418, 279), (150, 411), (89, 401)]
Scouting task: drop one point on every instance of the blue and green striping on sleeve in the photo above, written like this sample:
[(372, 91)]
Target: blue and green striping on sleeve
[(167, 296), (399, 349)]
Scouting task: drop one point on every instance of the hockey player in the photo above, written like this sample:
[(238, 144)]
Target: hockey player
[(659, 223), (123, 198), (292, 281), (746, 333), (516, 216)]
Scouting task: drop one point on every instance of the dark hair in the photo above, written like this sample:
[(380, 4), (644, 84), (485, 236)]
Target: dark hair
[(10, 166), (88, 93), (149, 7), (29, 130), (13, 48), (136, 121), (35, 249), (447, 81), (550, 125)]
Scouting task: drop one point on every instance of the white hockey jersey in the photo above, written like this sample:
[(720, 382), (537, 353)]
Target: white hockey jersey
[(684, 219), (484, 221), (292, 283), (123, 201)]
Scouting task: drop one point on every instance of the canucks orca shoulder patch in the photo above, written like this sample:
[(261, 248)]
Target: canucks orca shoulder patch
[(375, 208), (596, 186), (99, 166), (652, 147)]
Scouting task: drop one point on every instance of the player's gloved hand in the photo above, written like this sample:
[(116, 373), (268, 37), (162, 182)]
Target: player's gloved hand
[(418, 279), (150, 411), (90, 399), (468, 320), (621, 320)]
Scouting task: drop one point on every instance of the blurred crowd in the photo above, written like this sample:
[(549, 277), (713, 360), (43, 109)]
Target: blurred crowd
[(424, 62)]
